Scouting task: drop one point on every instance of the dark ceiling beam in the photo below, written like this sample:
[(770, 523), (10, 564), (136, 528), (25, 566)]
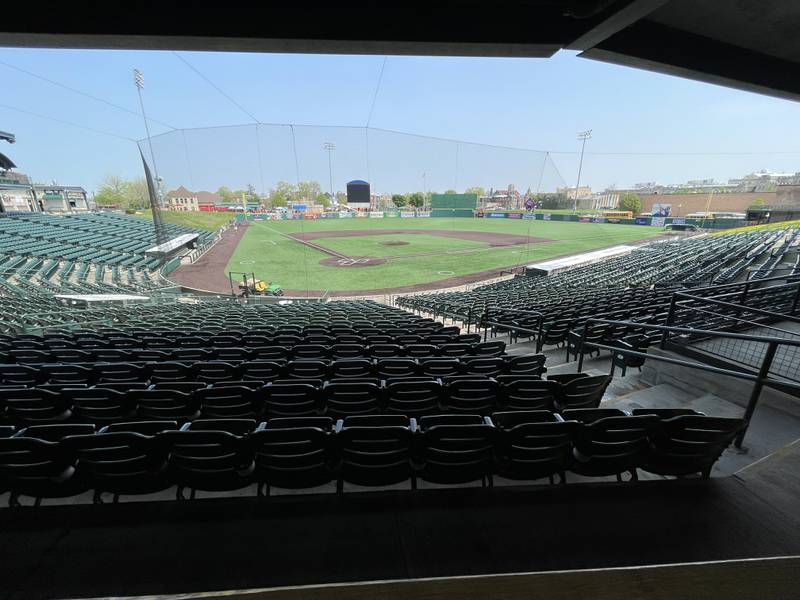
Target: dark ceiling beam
[(622, 17), (655, 47), (535, 28), (282, 45)]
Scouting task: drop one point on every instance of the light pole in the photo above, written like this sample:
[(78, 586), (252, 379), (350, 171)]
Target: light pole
[(138, 80), (583, 135), (330, 147)]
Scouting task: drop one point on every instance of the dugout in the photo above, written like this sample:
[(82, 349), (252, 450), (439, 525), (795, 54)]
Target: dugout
[(453, 205)]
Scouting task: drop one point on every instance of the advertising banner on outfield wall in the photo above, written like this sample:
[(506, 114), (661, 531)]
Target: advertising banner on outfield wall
[(529, 216), (496, 215), (545, 217), (330, 215), (658, 221), (407, 214), (345, 215), (378, 214), (642, 221), (514, 215), (424, 214), (585, 219), (362, 215)]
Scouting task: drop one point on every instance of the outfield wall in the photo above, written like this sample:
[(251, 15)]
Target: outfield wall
[(540, 216)]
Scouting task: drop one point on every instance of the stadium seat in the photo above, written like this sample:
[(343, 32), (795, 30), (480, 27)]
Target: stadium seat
[(207, 460), (100, 405), (29, 406), (533, 444), (293, 453), (120, 463), (165, 405), (343, 398), (612, 445), (351, 367), (471, 396), (290, 400), (375, 455), (229, 402), (413, 398), (455, 454), (38, 468), (528, 394), (583, 392), (687, 444)]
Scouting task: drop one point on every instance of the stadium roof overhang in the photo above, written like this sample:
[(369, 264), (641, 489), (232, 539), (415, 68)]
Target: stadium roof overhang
[(6, 163), (748, 44)]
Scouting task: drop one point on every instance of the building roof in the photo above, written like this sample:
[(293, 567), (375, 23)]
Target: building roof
[(204, 197), (181, 192)]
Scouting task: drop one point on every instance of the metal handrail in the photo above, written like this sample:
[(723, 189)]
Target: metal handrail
[(743, 307), (760, 380)]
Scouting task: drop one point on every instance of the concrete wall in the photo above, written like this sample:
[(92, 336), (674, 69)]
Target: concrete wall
[(690, 203)]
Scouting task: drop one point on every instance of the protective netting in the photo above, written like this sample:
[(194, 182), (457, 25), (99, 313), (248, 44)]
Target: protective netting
[(393, 162)]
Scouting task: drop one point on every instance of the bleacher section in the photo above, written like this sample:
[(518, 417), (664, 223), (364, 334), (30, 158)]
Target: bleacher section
[(636, 288), (42, 255), (218, 397)]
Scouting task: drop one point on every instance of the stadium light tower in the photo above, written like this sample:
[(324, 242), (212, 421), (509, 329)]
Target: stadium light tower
[(330, 147), (138, 80), (582, 135)]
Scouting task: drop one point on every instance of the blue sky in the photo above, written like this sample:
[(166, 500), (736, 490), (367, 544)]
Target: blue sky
[(658, 123)]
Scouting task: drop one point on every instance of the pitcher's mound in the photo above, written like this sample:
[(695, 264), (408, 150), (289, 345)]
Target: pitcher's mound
[(356, 261), (394, 243)]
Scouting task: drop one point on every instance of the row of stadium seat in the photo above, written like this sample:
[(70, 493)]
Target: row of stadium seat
[(272, 352), (292, 398), (300, 453), (266, 370)]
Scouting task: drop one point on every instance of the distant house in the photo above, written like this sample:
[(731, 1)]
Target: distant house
[(207, 200), (181, 200)]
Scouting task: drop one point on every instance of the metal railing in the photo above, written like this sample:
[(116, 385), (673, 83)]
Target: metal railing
[(760, 379)]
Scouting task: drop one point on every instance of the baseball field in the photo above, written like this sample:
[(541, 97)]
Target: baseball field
[(361, 256)]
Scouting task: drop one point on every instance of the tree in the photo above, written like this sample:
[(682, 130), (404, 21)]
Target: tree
[(628, 201), (417, 199), (226, 193), (127, 194), (450, 192), (322, 198), (475, 190), (398, 200), (281, 195), (308, 190), (136, 193), (341, 197), (111, 192)]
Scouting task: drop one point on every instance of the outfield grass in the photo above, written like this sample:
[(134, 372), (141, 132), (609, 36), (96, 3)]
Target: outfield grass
[(293, 265), (208, 221)]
